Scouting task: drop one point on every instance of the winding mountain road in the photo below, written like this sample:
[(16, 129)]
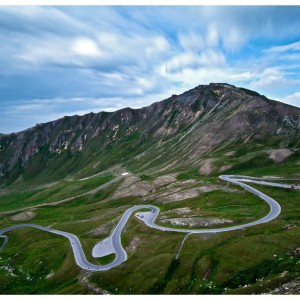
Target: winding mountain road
[(113, 244)]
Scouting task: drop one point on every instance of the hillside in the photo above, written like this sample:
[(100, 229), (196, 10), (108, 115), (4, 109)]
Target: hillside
[(184, 131), (81, 174)]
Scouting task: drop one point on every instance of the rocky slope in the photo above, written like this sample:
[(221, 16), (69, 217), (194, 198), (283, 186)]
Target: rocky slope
[(179, 132)]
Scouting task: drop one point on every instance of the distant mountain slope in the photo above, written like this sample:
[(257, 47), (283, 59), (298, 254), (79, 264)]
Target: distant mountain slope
[(179, 132)]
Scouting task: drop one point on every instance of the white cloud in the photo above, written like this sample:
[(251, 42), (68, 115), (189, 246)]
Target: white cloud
[(293, 99), (234, 38), (53, 49), (33, 20), (194, 41), (212, 35), (193, 60), (189, 78), (288, 47), (85, 47), (272, 79), (158, 45), (28, 107), (30, 112), (132, 48), (191, 41), (132, 53)]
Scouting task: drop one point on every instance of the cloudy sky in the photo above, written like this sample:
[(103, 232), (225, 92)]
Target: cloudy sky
[(68, 60)]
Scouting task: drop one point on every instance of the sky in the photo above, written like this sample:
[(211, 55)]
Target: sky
[(67, 60)]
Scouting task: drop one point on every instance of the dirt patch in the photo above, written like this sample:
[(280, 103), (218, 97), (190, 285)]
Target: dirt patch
[(164, 188), (181, 192), (165, 179), (181, 195), (83, 279), (207, 273), (131, 248), (230, 153), (196, 222), (133, 186), (186, 194), (295, 252), (104, 229), (50, 275), (279, 155), (181, 210), (230, 190), (207, 167), (24, 216), (4, 192), (290, 288), (225, 168), (180, 184)]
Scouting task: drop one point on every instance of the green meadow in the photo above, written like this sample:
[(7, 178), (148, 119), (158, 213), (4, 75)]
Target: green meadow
[(249, 261)]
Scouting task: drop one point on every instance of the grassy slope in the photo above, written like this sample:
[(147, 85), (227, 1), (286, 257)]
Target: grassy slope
[(220, 263), (245, 261)]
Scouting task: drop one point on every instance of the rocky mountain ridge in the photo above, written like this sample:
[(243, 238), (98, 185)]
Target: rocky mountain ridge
[(180, 130)]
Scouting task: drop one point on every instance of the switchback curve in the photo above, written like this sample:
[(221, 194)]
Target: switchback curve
[(113, 243)]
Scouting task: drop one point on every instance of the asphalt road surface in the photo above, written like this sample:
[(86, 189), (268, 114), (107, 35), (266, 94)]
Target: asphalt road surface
[(148, 218)]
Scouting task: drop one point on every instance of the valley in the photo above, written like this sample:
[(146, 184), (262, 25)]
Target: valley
[(81, 175), (113, 245)]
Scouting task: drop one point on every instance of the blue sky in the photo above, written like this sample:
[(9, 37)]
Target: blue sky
[(68, 60)]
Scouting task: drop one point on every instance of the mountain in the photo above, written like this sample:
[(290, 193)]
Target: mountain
[(188, 131)]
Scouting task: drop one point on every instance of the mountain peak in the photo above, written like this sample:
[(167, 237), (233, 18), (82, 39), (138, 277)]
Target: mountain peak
[(225, 86), (203, 119), (221, 84)]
